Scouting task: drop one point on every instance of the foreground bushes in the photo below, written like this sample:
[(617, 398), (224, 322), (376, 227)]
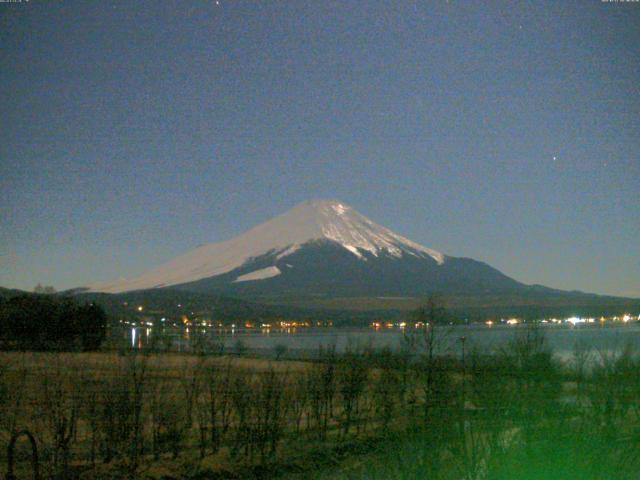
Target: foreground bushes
[(421, 415)]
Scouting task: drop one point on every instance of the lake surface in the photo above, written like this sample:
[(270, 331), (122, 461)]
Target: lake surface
[(562, 339)]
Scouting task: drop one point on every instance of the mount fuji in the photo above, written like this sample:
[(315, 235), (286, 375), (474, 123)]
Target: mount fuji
[(320, 248)]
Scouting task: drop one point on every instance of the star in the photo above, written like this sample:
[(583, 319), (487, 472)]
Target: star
[(555, 158)]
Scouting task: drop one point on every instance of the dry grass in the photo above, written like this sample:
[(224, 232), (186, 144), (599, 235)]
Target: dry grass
[(37, 362)]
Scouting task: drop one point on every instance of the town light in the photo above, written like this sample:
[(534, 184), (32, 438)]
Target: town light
[(575, 320)]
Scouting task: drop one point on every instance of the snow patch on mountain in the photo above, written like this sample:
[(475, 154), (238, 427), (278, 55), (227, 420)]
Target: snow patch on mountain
[(259, 274), (288, 251)]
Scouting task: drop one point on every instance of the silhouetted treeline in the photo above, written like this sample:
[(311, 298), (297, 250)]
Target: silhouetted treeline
[(48, 322), (173, 303)]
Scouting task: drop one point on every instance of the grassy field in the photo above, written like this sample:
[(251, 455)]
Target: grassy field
[(366, 414), (103, 415)]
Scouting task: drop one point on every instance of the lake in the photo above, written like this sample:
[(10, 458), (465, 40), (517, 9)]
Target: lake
[(305, 341)]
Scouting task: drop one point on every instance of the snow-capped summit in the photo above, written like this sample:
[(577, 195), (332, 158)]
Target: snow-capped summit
[(338, 222), (309, 223)]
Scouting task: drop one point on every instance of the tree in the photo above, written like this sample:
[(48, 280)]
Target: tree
[(39, 322), (280, 350), (431, 312), (352, 375), (46, 290)]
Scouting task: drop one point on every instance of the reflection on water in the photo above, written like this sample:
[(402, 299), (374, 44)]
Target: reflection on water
[(563, 340)]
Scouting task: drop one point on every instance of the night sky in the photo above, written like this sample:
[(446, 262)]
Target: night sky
[(508, 132)]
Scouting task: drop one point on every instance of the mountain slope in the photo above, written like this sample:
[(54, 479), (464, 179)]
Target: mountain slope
[(309, 222), (322, 253), (324, 268)]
